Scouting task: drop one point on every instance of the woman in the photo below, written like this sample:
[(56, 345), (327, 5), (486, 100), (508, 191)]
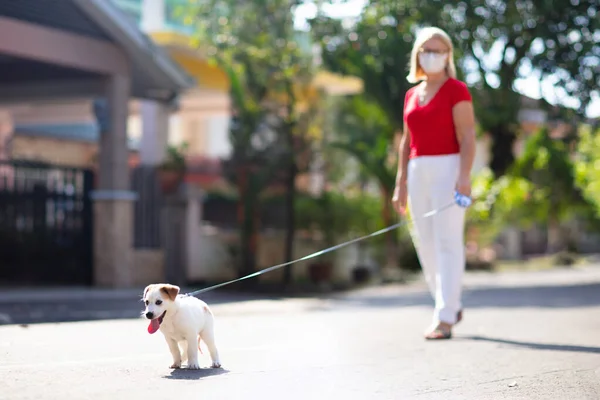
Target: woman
[(435, 158)]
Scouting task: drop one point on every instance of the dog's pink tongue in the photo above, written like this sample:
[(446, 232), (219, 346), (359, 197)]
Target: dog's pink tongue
[(154, 325)]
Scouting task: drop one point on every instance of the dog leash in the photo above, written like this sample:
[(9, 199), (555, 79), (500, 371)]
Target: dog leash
[(459, 199)]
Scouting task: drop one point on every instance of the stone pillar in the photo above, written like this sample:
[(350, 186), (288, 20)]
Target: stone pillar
[(113, 201), (194, 235), (155, 132), (173, 232), (181, 214)]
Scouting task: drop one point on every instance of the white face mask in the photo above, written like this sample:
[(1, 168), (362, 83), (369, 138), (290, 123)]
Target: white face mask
[(432, 63)]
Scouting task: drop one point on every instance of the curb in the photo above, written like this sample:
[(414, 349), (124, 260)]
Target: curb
[(28, 296)]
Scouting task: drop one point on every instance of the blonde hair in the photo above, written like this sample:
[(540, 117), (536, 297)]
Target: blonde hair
[(416, 73)]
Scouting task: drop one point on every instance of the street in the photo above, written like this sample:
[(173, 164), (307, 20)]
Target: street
[(524, 336)]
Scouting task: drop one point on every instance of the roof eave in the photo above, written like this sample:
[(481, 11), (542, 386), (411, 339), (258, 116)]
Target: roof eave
[(150, 57)]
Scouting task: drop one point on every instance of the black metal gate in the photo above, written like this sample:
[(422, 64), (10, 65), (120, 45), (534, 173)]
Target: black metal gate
[(45, 224)]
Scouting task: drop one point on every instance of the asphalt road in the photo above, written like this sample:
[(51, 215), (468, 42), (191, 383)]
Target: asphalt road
[(524, 336)]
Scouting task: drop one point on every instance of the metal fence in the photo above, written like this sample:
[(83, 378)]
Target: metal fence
[(45, 224)]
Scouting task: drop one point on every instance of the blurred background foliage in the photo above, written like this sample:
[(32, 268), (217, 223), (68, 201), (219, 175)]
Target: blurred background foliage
[(284, 125)]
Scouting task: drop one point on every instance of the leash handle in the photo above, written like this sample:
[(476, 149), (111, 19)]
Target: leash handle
[(462, 200)]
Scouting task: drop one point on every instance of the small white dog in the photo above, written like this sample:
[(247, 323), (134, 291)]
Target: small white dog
[(183, 320)]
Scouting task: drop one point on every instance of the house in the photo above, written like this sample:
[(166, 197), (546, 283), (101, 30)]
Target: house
[(200, 118), (65, 131), (72, 51)]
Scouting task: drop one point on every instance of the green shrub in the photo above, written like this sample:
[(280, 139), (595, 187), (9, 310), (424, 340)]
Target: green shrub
[(587, 166), (336, 214)]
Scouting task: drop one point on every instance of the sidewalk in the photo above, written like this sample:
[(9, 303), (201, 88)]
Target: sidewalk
[(69, 293)]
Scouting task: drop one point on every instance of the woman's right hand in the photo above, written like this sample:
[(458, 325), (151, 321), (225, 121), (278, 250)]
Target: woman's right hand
[(400, 197)]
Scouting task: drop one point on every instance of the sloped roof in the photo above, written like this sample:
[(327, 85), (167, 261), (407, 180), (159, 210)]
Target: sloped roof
[(154, 74)]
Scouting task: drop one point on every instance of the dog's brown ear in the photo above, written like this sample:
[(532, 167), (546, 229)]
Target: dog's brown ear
[(170, 290)]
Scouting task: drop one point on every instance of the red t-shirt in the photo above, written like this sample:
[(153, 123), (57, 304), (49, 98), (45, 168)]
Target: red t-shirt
[(432, 130)]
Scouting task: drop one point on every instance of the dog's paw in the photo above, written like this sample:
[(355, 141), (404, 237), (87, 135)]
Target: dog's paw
[(193, 365), (175, 365), (216, 365)]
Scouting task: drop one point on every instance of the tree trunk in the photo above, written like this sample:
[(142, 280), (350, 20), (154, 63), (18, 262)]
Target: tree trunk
[(555, 236), (246, 218), (290, 226), (502, 155), (290, 221), (391, 238)]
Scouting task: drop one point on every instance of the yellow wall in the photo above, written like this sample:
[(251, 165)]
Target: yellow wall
[(181, 50), (206, 75)]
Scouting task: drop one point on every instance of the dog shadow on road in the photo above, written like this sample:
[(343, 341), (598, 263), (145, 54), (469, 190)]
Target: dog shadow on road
[(194, 374), (536, 346)]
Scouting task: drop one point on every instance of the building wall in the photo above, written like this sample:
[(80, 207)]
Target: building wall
[(202, 121), (211, 258), (204, 116), (56, 151)]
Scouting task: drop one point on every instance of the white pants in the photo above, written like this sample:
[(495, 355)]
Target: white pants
[(439, 240)]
